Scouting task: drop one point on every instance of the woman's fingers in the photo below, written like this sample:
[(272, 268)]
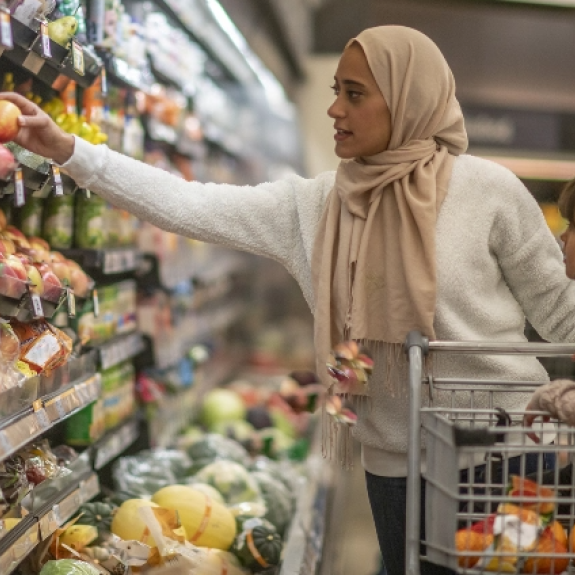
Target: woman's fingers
[(40, 121), (26, 107)]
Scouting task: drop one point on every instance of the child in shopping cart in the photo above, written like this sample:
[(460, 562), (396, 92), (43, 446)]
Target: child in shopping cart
[(410, 233)]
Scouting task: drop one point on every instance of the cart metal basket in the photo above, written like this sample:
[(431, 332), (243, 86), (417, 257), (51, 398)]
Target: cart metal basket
[(475, 522)]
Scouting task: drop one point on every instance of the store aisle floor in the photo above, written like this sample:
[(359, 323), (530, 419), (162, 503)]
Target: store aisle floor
[(351, 544)]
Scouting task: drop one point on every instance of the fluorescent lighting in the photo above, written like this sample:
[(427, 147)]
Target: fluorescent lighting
[(274, 91), (536, 168), (563, 3)]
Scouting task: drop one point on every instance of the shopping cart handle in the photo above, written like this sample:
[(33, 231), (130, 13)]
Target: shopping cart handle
[(416, 339), (482, 437)]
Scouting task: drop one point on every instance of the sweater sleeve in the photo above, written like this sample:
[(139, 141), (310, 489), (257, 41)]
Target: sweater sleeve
[(260, 219), (532, 263)]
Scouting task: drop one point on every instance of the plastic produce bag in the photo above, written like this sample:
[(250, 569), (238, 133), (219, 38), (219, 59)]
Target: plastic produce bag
[(68, 567), (212, 447), (176, 461), (14, 484)]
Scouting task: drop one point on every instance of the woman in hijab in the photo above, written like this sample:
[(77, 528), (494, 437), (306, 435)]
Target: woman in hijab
[(409, 233)]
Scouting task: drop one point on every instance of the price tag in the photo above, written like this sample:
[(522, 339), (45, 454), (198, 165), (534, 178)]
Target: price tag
[(78, 57), (37, 309), (71, 298), (6, 39), (104, 83), (88, 194), (45, 39), (96, 303), (43, 419), (5, 444), (57, 181), (19, 194), (57, 515)]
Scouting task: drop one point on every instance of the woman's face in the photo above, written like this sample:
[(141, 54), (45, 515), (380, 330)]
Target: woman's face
[(568, 239), (361, 117)]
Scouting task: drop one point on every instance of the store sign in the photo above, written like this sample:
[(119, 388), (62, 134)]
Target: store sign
[(519, 129)]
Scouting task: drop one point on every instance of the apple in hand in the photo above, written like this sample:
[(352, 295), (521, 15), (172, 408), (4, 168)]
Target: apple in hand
[(35, 279), (9, 114)]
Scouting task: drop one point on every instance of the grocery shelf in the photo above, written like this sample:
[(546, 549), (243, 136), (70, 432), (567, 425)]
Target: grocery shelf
[(115, 442), (27, 53), (120, 71), (38, 526), (18, 430), (105, 261), (119, 349)]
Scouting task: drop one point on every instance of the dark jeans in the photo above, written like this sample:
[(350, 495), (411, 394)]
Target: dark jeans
[(388, 496)]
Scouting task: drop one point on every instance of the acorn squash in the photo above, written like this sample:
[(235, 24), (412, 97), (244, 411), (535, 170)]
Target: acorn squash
[(259, 545)]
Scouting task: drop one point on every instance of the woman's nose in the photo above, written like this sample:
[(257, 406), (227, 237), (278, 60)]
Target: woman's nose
[(335, 110)]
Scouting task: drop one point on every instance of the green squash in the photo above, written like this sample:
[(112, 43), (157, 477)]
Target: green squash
[(98, 515), (259, 545)]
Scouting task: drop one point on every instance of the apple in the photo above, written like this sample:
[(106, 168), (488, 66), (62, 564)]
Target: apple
[(62, 271), (7, 166), (80, 282), (7, 247), (13, 233), (9, 114), (38, 243), (39, 256), (35, 279), (57, 257), (15, 263), (52, 285), (11, 284)]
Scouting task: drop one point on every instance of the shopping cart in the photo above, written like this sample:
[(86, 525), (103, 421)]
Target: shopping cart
[(481, 441)]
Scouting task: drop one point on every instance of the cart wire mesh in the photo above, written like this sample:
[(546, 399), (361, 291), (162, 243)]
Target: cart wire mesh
[(500, 496)]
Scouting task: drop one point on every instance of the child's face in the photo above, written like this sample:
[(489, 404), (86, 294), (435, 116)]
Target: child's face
[(568, 239)]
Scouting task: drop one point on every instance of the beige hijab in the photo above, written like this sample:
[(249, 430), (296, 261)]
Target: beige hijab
[(374, 261)]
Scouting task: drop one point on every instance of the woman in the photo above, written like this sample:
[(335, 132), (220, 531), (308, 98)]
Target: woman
[(410, 233)]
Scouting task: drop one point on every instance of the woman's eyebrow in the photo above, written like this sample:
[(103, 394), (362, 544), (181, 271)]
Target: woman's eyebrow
[(352, 83)]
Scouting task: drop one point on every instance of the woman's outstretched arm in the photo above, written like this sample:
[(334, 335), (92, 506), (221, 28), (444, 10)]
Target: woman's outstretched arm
[(262, 219)]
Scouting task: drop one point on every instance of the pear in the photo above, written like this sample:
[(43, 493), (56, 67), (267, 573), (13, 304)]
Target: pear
[(63, 30)]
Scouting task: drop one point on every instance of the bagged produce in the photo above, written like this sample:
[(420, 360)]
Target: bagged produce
[(232, 480), (140, 476), (212, 447), (207, 523), (59, 221), (89, 224), (277, 499), (68, 567)]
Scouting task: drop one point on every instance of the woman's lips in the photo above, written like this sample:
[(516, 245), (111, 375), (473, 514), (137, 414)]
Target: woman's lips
[(341, 135)]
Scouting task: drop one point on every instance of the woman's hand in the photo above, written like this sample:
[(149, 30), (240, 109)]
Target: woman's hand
[(38, 132)]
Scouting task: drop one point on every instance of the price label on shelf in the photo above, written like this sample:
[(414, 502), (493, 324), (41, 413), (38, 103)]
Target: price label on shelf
[(96, 303), (6, 39), (71, 300), (19, 193), (78, 57), (104, 82), (57, 181), (43, 419), (89, 488), (37, 309), (88, 194), (5, 445), (45, 40)]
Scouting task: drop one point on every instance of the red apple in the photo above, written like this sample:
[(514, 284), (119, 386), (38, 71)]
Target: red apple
[(38, 244), (14, 262), (17, 237), (7, 247), (35, 279), (80, 282), (62, 271), (39, 256), (52, 285), (9, 114), (57, 257), (11, 285), (7, 166)]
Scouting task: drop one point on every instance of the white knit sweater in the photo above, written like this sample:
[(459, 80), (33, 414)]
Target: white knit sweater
[(497, 263)]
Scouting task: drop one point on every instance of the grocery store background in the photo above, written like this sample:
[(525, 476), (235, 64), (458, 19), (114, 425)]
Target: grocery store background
[(230, 91)]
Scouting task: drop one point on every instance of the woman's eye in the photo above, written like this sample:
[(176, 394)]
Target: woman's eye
[(353, 95), (335, 89)]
